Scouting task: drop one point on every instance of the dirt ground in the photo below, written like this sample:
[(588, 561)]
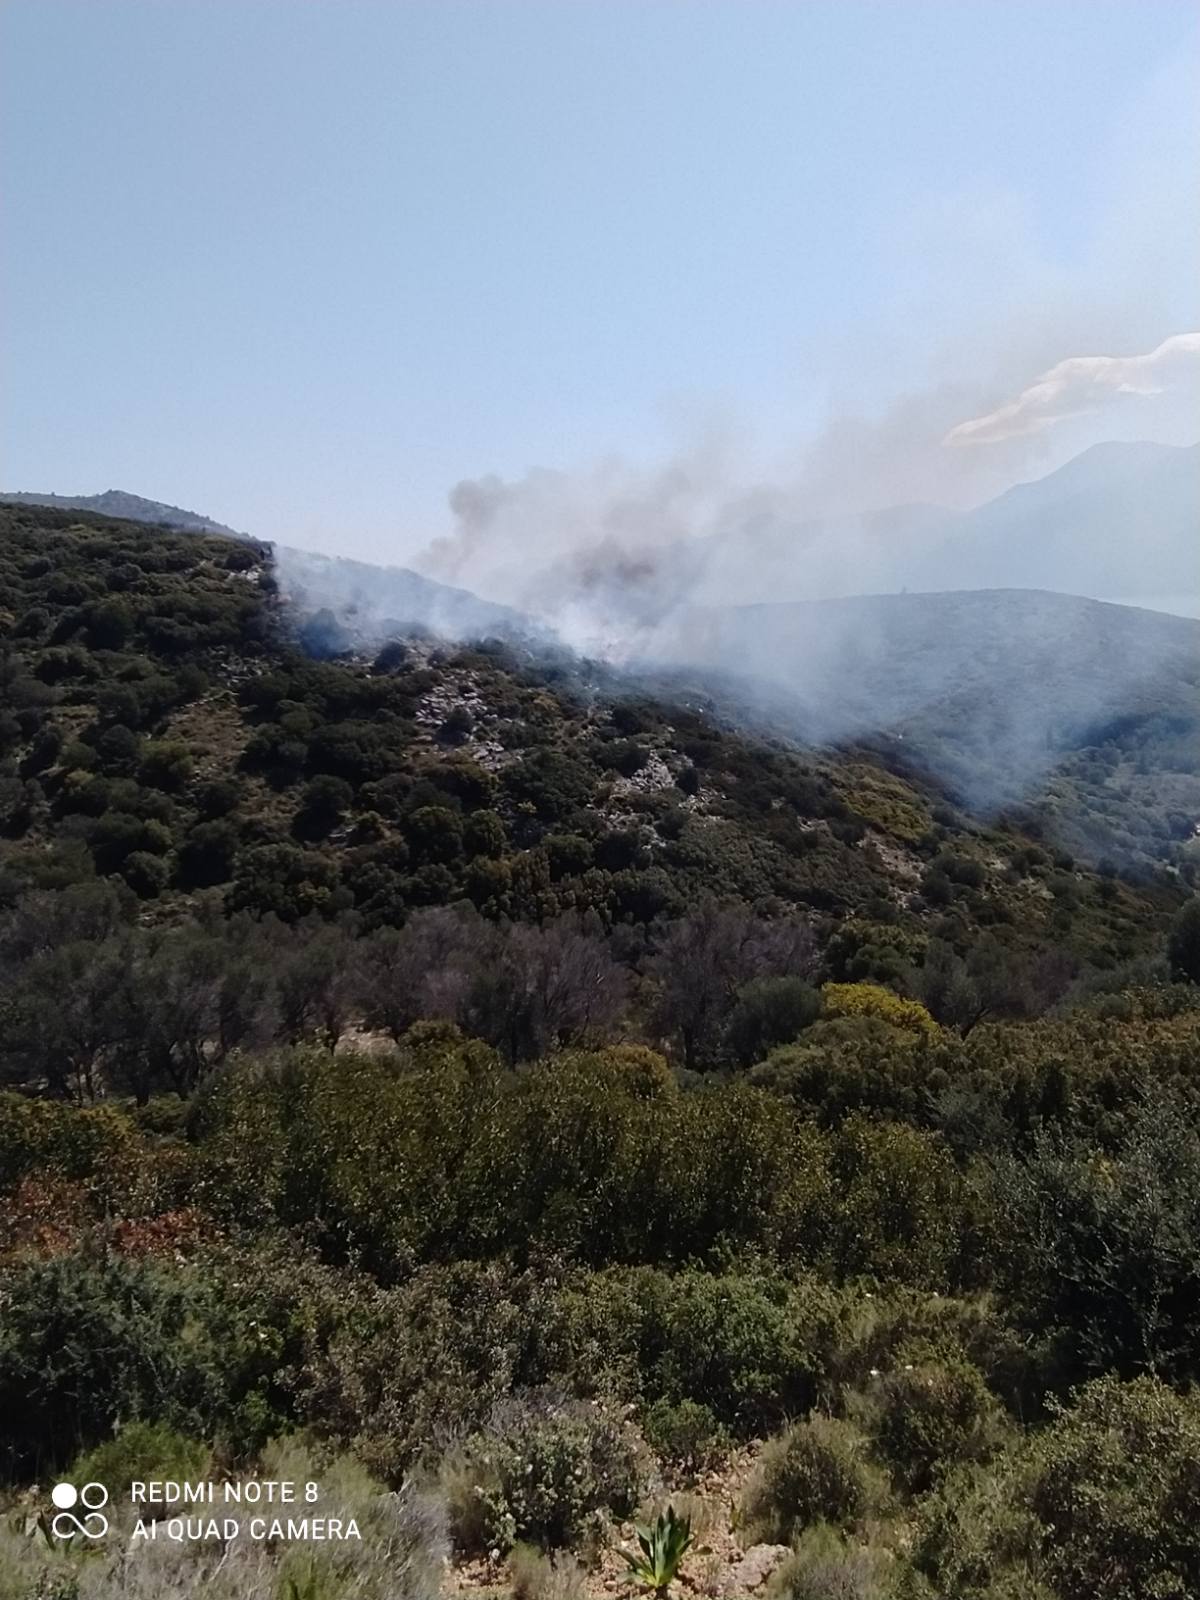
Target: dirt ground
[(719, 1566)]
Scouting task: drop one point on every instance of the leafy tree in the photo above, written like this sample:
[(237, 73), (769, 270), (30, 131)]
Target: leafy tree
[(207, 854), (706, 958), (769, 1012), (434, 835), (324, 801), (1102, 1254), (484, 835), (456, 726)]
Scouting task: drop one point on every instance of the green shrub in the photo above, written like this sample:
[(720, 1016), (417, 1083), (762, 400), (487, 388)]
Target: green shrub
[(818, 1471), (931, 1416), (145, 874), (87, 1344), (141, 1450), (686, 1435), (165, 764), (849, 1064), (1101, 1505), (1115, 1486), (484, 835), (900, 1203), (826, 1565), (769, 1012), (974, 1537), (541, 1471), (751, 1348), (73, 1141)]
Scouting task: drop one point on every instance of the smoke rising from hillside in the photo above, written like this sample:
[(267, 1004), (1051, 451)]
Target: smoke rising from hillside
[(1020, 361), (606, 555), (1026, 355)]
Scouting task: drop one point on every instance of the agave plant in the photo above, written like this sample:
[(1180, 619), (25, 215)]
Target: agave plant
[(663, 1546)]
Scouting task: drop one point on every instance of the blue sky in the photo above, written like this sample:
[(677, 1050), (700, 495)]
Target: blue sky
[(305, 266)]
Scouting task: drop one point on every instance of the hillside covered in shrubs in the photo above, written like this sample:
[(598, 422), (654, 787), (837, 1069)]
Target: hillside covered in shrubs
[(522, 1103)]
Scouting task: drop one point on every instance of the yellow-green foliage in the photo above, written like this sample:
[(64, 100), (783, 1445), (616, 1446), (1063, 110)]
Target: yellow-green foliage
[(885, 801), (869, 1000), (73, 1142)]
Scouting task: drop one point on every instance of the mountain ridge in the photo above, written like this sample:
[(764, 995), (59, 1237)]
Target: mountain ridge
[(130, 507)]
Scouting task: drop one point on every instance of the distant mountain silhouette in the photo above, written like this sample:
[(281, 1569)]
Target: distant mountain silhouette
[(132, 507), (1119, 521)]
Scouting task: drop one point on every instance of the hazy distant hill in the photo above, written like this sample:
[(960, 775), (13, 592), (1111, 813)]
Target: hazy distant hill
[(1085, 710), (884, 659), (132, 507), (1119, 521)]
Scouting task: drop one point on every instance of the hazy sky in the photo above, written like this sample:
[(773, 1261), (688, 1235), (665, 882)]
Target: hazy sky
[(305, 266)]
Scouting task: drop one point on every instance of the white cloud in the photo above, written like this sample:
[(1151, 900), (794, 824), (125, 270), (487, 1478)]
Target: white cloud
[(1083, 384)]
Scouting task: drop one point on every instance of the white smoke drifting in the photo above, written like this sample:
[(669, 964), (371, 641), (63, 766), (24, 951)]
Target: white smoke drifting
[(1082, 384)]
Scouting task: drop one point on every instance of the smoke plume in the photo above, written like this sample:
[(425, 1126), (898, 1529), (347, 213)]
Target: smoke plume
[(1083, 384)]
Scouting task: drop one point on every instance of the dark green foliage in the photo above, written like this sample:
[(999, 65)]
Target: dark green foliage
[(323, 802), (433, 834), (686, 1435), (933, 1415), (456, 726), (85, 1345), (484, 835), (769, 1012), (207, 853), (1183, 945), (1114, 1486), (165, 764), (1102, 1505), (1105, 1249), (550, 784), (147, 875)]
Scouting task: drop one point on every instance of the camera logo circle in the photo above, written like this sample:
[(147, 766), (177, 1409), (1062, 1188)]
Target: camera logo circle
[(91, 1497)]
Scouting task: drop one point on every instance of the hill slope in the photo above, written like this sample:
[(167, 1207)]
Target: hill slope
[(164, 730), (132, 507), (421, 1067), (1008, 696)]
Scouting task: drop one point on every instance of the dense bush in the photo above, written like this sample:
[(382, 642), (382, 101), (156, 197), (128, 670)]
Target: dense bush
[(932, 1415), (818, 1471), (539, 1472), (84, 1346), (1100, 1506), (685, 1435)]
